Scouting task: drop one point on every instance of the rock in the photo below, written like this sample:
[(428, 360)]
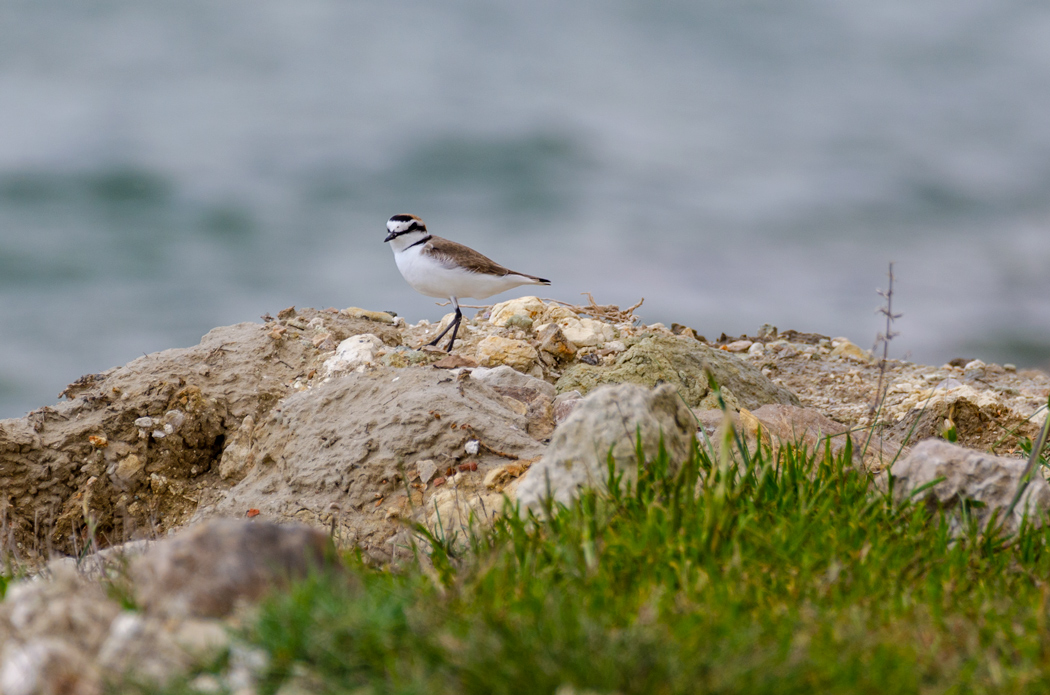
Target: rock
[(237, 457), (50, 467), (353, 352), (511, 382), (767, 332), (950, 402), (969, 475), (358, 313), (47, 666), (154, 650), (337, 454), (497, 478), (552, 341), (207, 569), (680, 361), (454, 362), (50, 630), (564, 404), (788, 425), (609, 419), (536, 395), (426, 468), (494, 350), (843, 348), (586, 332), (530, 307), (739, 346)]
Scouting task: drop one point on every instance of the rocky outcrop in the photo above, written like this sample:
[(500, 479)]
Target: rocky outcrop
[(788, 425), (348, 455), (65, 633), (684, 362), (609, 423), (135, 449), (962, 480), (348, 422)]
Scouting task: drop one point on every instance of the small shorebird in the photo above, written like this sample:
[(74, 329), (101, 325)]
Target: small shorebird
[(438, 267)]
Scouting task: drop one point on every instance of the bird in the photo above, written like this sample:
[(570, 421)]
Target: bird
[(438, 267)]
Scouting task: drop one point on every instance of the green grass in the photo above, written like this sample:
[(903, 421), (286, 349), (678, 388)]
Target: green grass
[(784, 574)]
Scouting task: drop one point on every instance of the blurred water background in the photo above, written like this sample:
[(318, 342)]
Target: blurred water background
[(171, 166)]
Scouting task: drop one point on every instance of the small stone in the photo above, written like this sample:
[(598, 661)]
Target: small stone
[(586, 332), (158, 484), (494, 350), (472, 447), (355, 351), (127, 472), (144, 422), (739, 346), (756, 350), (426, 469), (767, 332), (1010, 367), (844, 349), (499, 477), (553, 341)]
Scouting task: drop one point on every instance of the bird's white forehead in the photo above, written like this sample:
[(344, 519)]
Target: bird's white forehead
[(399, 223)]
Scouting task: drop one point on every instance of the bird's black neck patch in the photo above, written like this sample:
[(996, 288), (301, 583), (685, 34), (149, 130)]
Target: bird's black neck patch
[(421, 241)]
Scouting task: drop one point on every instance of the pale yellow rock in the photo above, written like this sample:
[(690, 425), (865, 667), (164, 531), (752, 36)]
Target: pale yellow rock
[(533, 307), (494, 351), (359, 313), (557, 312), (586, 332), (846, 349)]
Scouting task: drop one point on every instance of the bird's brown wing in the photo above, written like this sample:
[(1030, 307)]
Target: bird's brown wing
[(450, 254)]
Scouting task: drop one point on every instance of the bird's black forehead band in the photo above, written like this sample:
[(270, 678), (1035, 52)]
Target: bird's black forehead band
[(402, 218)]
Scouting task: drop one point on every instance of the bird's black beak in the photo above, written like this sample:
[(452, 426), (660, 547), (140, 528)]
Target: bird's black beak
[(389, 236)]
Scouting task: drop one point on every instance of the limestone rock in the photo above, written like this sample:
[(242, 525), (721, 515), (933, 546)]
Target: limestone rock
[(494, 350), (842, 347), (353, 352), (608, 420), (680, 361), (553, 341), (207, 569), (969, 475), (564, 404), (787, 425), (338, 454), (531, 307), (536, 395), (238, 457), (47, 666), (51, 462), (586, 332)]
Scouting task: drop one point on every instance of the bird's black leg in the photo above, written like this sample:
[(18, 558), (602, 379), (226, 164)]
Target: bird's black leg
[(455, 322), (453, 326)]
